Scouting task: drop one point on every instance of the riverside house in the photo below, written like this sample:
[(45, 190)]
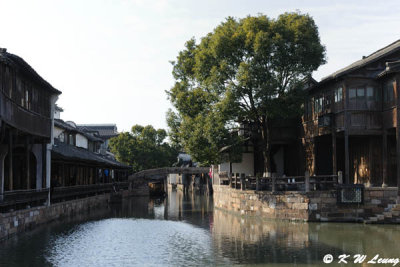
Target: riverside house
[(43, 158), (351, 121), (351, 124), (27, 105)]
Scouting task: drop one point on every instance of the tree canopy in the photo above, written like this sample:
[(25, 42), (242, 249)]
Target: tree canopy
[(248, 69), (143, 148)]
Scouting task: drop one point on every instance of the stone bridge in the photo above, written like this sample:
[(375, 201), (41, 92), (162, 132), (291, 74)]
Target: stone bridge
[(159, 176), (161, 173)]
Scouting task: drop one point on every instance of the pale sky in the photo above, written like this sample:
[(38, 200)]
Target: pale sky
[(111, 59)]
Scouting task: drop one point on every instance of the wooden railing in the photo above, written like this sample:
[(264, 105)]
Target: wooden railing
[(22, 198), (78, 191), (290, 183)]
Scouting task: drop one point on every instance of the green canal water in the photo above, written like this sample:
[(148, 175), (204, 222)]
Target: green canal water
[(186, 231)]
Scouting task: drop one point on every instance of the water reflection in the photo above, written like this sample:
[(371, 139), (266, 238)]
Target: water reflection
[(182, 230)]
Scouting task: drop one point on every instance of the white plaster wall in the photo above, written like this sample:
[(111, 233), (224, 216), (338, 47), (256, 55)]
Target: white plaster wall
[(37, 151), (81, 141), (57, 131), (246, 166), (57, 114)]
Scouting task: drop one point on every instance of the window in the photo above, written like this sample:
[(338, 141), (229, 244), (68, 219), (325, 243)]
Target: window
[(388, 94), (360, 94), (318, 104), (352, 93), (61, 137), (372, 94), (27, 100), (71, 139), (338, 95)]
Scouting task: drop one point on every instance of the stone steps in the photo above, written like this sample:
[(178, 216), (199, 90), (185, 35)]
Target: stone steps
[(390, 215)]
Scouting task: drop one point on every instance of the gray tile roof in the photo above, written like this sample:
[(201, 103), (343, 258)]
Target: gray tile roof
[(395, 46), (104, 130), (20, 64), (68, 152), (61, 124)]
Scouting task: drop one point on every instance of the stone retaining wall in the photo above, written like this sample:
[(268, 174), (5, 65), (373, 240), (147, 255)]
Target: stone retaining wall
[(18, 221), (293, 205)]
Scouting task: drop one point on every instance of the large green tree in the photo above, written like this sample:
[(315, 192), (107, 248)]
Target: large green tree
[(143, 148), (248, 69)]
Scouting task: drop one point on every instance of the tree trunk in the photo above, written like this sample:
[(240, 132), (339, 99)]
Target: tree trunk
[(266, 140)]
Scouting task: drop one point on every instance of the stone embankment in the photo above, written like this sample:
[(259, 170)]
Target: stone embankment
[(312, 206), (18, 221)]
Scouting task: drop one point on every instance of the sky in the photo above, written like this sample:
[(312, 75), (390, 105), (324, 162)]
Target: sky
[(111, 59)]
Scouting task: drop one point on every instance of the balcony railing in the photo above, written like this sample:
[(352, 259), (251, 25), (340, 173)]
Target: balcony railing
[(273, 184), (24, 119)]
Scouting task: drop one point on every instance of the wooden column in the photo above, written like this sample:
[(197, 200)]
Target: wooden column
[(346, 158), (398, 139), (384, 158), (314, 159), (63, 174), (334, 163), (28, 164), (44, 167), (346, 136), (10, 162)]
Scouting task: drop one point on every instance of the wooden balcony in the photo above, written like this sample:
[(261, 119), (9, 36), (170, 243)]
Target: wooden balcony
[(23, 119)]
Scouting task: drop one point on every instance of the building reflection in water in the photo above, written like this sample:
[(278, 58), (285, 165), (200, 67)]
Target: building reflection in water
[(201, 236), (252, 240)]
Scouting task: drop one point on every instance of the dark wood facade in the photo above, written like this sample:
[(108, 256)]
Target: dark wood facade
[(26, 102), (351, 121)]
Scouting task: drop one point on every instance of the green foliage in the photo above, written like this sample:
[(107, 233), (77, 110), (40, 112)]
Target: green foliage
[(143, 148), (246, 69)]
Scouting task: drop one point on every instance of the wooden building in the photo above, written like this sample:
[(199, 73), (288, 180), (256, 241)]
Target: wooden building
[(286, 150), (351, 121), (76, 158), (43, 158), (27, 104), (104, 131)]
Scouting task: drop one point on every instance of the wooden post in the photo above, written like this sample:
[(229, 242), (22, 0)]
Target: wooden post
[(10, 162), (346, 136), (28, 164), (397, 91), (242, 185), (273, 181), (257, 183), (235, 181), (398, 145), (340, 177), (346, 158), (334, 163), (384, 158), (307, 181)]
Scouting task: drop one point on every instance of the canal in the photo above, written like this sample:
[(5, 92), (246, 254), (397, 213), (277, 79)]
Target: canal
[(186, 231)]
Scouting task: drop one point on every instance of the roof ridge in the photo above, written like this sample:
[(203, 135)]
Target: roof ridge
[(378, 54), (377, 51)]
